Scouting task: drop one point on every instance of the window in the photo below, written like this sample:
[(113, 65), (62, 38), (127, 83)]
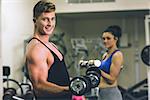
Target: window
[(89, 1)]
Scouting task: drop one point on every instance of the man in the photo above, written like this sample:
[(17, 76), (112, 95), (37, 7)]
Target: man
[(45, 63)]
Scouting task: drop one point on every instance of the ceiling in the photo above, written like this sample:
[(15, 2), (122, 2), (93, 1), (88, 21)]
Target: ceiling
[(108, 14)]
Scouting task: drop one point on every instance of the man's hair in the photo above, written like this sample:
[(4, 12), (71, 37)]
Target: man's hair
[(42, 6)]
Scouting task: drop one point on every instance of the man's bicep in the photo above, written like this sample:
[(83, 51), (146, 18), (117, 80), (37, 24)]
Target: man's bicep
[(38, 68), (37, 73)]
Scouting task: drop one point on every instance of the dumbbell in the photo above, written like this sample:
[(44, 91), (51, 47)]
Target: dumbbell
[(80, 85), (83, 84), (29, 95), (89, 63), (9, 93), (94, 74), (28, 92)]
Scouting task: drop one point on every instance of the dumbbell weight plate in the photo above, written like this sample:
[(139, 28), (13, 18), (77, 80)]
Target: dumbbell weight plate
[(79, 85), (94, 74), (94, 80), (9, 93), (95, 70), (145, 55)]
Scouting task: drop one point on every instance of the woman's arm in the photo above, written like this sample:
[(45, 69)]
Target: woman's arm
[(117, 61)]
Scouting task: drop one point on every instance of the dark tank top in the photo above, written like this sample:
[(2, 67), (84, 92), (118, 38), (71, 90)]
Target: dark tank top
[(57, 74)]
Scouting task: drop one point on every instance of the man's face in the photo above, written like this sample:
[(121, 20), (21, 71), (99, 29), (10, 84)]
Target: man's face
[(45, 23)]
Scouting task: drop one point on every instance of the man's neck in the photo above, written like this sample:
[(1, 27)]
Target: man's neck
[(44, 38)]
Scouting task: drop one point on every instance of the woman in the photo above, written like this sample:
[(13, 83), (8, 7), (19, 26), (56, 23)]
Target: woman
[(111, 64)]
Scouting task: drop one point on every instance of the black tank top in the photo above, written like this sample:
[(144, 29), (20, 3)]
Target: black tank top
[(57, 74)]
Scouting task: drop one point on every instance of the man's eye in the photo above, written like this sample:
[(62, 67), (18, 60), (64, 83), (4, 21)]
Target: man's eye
[(108, 38), (53, 18), (45, 19), (103, 38)]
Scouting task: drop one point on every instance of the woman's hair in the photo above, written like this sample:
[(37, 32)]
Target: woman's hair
[(115, 30), (42, 6)]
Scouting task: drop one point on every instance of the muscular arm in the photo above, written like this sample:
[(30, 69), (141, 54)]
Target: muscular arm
[(117, 62), (38, 71)]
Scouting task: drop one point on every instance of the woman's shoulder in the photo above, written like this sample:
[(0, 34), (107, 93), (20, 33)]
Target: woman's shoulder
[(118, 55)]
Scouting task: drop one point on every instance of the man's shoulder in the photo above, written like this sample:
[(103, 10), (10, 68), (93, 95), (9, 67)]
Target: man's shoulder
[(35, 49)]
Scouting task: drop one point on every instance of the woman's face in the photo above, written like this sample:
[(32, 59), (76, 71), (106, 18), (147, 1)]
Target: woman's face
[(109, 40)]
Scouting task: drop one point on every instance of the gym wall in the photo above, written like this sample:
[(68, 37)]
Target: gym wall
[(64, 7), (1, 84), (16, 27)]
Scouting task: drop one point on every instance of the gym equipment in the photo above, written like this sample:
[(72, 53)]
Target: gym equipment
[(80, 85), (94, 74), (145, 55), (138, 91), (29, 95), (83, 84), (6, 70), (9, 93), (147, 42), (89, 63), (80, 49), (6, 73), (28, 92)]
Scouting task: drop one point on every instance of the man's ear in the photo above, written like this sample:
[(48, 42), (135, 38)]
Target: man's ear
[(34, 20)]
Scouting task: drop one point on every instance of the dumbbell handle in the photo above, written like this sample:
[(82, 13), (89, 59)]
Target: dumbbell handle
[(17, 98), (89, 63)]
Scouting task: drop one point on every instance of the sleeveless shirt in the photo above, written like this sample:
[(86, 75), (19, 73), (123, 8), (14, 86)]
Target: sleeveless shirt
[(57, 74), (106, 63)]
